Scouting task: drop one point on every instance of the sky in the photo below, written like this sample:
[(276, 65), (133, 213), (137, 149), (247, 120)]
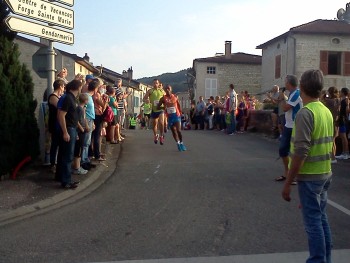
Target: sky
[(160, 36)]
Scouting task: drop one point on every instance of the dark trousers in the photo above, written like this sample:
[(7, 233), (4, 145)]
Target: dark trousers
[(200, 122), (97, 135), (54, 146), (65, 157)]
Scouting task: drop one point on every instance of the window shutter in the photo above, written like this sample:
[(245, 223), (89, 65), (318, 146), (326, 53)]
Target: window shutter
[(278, 67), (347, 63), (324, 62), (211, 88)]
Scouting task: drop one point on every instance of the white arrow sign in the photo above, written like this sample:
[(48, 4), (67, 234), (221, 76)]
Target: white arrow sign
[(34, 29), (43, 11), (65, 2)]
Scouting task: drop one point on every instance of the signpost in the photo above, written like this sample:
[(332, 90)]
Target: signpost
[(34, 29), (43, 11), (65, 2), (54, 15)]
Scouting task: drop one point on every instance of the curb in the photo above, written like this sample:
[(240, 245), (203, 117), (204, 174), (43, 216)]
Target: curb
[(95, 179)]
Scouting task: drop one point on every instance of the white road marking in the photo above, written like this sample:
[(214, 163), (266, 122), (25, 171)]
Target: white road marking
[(339, 207), (147, 180)]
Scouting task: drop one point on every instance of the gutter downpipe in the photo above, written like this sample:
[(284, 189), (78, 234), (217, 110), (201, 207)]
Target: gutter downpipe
[(295, 53)]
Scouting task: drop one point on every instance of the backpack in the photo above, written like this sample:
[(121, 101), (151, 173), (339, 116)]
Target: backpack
[(108, 115)]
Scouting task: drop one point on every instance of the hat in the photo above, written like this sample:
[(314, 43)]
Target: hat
[(87, 77)]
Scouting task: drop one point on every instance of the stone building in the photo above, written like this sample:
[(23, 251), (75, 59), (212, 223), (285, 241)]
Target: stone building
[(184, 100), (320, 44), (213, 75)]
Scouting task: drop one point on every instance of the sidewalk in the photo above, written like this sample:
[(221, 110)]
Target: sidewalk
[(338, 256), (35, 188)]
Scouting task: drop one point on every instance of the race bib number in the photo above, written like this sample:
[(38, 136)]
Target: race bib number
[(155, 103), (171, 110)]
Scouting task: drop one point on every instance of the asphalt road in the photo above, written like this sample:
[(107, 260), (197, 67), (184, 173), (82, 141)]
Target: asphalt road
[(217, 199)]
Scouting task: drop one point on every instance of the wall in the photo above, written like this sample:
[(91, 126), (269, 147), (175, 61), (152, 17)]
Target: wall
[(285, 48), (308, 55), (28, 51), (243, 76), (260, 121)]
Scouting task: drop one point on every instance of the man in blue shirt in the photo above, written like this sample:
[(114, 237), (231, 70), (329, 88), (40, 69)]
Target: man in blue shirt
[(67, 118), (293, 105)]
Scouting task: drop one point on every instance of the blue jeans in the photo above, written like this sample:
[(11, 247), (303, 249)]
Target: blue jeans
[(313, 199), (65, 157), (86, 144), (284, 148), (232, 127)]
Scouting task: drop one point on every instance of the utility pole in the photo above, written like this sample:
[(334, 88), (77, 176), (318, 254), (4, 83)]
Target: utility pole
[(50, 67)]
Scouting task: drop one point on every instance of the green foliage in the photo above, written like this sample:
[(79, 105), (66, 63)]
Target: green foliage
[(19, 133), (176, 80)]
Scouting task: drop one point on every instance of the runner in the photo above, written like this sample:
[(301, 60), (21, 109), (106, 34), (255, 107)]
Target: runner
[(147, 110), (173, 112), (157, 115)]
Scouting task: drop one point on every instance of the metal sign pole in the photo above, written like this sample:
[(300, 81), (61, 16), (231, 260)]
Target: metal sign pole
[(50, 67)]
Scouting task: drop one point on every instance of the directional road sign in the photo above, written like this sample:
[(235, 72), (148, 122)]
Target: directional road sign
[(65, 2), (38, 30), (43, 11)]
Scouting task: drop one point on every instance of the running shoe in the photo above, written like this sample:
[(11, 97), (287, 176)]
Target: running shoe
[(179, 147), (343, 156), (156, 138), (80, 171), (161, 140), (183, 147)]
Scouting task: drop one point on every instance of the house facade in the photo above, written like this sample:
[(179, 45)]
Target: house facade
[(213, 75), (320, 44), (184, 100)]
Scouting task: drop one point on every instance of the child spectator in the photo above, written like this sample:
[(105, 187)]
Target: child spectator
[(82, 130)]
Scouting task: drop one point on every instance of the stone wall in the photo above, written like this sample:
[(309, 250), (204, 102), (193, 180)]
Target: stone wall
[(260, 121), (243, 76)]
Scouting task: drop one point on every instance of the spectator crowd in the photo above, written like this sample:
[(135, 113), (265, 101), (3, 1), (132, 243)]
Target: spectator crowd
[(81, 112)]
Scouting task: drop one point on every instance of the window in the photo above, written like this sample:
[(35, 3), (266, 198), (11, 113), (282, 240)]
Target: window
[(81, 68), (211, 70), (211, 88), (335, 63), (336, 41), (136, 102), (278, 67)]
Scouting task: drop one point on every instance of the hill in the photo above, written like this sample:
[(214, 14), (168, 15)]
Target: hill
[(177, 80)]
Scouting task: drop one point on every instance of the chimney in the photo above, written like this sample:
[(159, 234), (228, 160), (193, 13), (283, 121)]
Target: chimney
[(130, 73), (125, 74), (228, 46), (86, 57)]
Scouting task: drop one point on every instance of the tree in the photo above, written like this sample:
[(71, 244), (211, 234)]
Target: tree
[(19, 133)]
